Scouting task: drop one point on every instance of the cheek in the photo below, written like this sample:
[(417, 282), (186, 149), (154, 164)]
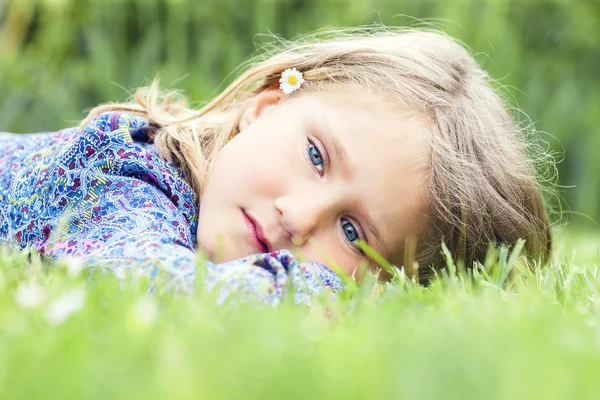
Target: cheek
[(231, 169), (253, 157), (265, 166)]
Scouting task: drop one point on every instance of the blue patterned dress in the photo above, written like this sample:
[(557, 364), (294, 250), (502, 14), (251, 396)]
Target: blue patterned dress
[(104, 195)]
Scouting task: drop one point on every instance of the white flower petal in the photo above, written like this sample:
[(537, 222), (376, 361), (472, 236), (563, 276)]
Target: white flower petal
[(120, 273), (63, 306), (291, 80), (145, 311), (29, 295), (74, 266)]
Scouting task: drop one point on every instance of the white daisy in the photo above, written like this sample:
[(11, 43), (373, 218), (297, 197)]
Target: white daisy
[(29, 295), (291, 79), (64, 305), (145, 311), (120, 273), (74, 266)]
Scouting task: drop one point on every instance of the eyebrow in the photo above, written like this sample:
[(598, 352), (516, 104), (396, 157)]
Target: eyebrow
[(340, 154), (370, 226)]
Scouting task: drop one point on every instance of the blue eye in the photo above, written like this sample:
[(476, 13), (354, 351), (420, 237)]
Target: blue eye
[(349, 230), (316, 157)]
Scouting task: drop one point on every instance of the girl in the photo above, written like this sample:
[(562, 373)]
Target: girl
[(392, 138)]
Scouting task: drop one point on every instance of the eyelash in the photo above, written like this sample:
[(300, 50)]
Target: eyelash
[(325, 163)]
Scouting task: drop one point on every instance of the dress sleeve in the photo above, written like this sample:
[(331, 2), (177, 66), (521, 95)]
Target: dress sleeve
[(130, 235), (114, 203)]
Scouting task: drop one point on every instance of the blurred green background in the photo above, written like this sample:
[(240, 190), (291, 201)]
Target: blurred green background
[(58, 58)]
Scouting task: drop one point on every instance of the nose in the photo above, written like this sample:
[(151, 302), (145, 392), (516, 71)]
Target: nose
[(300, 216)]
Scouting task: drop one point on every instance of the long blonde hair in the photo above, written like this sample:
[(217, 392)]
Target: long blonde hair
[(482, 182)]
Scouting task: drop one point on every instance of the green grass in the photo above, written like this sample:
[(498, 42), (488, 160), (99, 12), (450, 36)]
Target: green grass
[(461, 338)]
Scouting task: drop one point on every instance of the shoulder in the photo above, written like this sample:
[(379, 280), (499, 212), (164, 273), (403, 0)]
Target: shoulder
[(116, 125), (117, 136), (114, 154), (106, 141)]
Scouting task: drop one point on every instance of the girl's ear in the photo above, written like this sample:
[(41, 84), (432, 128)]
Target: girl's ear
[(256, 106)]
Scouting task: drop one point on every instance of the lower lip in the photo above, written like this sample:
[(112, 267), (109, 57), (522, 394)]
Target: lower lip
[(252, 233)]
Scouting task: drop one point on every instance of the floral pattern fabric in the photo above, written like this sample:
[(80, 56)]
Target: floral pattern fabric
[(103, 194)]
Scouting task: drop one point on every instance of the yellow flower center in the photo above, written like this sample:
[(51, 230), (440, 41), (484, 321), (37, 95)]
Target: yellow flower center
[(292, 80)]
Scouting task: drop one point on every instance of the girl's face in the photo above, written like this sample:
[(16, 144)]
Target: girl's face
[(312, 174)]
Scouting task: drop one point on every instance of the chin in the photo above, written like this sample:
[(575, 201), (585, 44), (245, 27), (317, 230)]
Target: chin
[(217, 255), (207, 248)]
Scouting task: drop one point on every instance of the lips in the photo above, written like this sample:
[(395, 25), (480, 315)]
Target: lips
[(256, 234)]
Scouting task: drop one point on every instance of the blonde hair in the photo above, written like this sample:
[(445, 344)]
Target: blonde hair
[(482, 182)]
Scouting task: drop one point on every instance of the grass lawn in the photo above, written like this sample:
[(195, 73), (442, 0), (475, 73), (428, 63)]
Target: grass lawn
[(67, 337)]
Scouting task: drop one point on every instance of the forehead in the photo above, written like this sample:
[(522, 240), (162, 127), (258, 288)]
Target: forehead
[(386, 152)]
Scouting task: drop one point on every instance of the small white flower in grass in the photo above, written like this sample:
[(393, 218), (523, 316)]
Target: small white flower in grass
[(74, 266), (145, 311), (29, 295), (291, 79), (120, 273), (64, 305)]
